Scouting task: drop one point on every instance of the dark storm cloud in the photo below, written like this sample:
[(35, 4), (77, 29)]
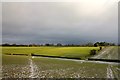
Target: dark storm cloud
[(59, 22)]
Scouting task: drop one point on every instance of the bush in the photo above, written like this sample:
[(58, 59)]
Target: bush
[(93, 52), (100, 48)]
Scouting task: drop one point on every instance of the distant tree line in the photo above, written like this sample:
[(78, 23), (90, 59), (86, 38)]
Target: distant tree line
[(61, 45), (103, 44)]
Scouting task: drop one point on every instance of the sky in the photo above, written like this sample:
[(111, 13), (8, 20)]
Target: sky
[(60, 22)]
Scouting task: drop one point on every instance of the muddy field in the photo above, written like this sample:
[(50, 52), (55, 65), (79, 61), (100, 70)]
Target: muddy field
[(33, 67)]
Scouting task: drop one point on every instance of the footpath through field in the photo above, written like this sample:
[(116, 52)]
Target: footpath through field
[(103, 53), (108, 53), (33, 69)]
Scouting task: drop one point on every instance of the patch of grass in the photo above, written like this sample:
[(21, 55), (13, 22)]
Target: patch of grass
[(10, 59)]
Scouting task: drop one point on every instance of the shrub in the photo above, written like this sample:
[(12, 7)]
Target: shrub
[(93, 52), (100, 48)]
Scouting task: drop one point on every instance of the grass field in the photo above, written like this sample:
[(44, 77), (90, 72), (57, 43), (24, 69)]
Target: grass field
[(79, 52)]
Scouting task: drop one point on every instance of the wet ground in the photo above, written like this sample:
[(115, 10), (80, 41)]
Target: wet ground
[(34, 67)]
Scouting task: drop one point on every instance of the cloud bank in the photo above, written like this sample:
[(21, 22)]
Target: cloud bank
[(64, 22)]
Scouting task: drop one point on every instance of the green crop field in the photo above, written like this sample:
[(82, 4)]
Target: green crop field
[(79, 52)]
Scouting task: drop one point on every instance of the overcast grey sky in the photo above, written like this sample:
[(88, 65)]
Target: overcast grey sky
[(64, 22)]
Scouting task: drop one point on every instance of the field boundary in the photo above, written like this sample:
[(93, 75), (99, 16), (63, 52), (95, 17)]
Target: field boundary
[(74, 58), (55, 56), (106, 60)]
